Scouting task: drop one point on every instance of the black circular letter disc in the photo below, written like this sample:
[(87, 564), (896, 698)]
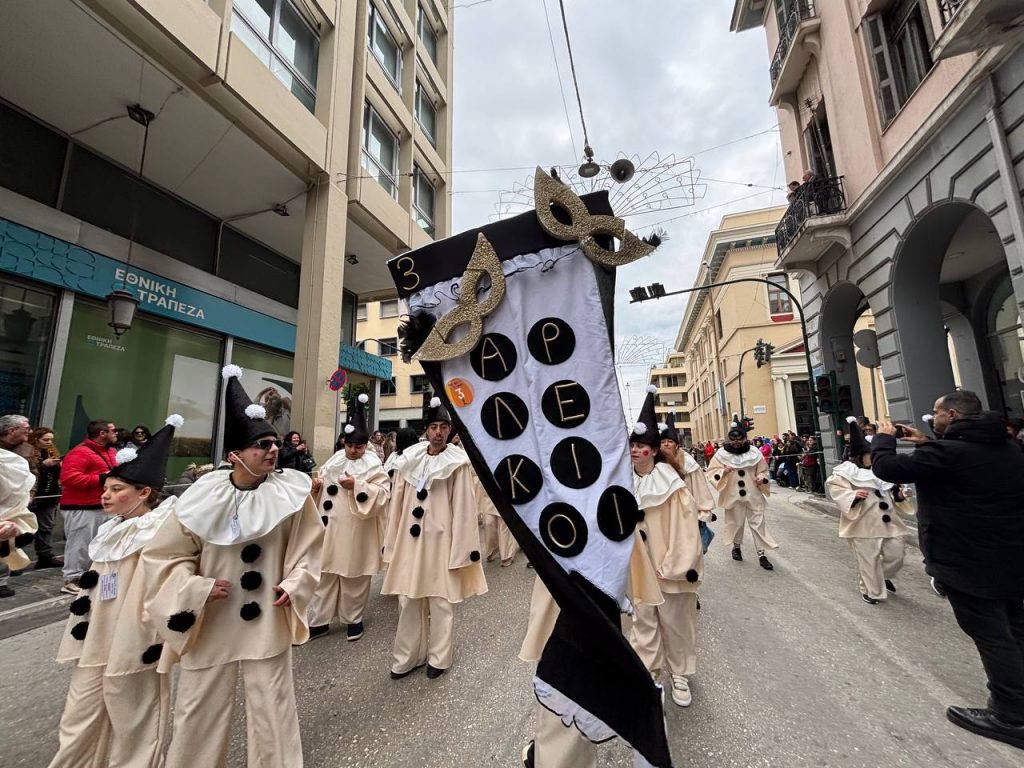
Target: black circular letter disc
[(563, 529), (519, 479), (551, 341), (566, 404), (617, 513), (494, 357), (576, 463), (504, 416)]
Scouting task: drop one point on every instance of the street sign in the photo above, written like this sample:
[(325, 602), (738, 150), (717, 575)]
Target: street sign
[(337, 380)]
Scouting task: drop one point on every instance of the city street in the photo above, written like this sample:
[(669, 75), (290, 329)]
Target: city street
[(794, 671)]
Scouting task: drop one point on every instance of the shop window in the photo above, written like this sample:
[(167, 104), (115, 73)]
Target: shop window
[(425, 32), (426, 114), (26, 327), (247, 263), (268, 379), (283, 40), (31, 157), (423, 201), (385, 48), (388, 387), (388, 347), (899, 41), (380, 151), (389, 308), (418, 384), (109, 197)]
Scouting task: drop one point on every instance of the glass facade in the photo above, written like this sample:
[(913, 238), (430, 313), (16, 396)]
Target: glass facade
[(26, 329), (268, 380)]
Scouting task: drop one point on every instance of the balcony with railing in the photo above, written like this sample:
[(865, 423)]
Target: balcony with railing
[(814, 221), (972, 25), (797, 42)]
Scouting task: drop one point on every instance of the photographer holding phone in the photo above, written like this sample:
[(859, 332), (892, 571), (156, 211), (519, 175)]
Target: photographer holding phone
[(970, 486)]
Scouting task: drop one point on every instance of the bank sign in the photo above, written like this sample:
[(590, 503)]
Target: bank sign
[(28, 253)]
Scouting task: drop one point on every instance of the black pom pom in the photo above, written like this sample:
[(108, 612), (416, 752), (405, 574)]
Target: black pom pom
[(886, 519), (251, 580), (152, 654), (741, 472), (414, 531), (692, 576), (250, 552), (417, 512), (328, 505), (412, 332), (5, 548), (23, 539), (643, 536), (391, 473), (323, 519), (883, 505), (474, 556), (332, 490), (640, 515), (717, 478), (362, 496), (81, 605), (88, 580), (78, 631), (250, 611), (421, 494), (714, 517), (741, 483), (181, 621), (742, 492)]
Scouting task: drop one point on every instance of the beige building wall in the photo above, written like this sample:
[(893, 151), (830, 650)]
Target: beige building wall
[(673, 393)]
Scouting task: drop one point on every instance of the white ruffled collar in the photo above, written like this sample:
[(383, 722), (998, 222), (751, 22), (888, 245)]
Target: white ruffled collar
[(419, 468), (654, 488), (689, 463), (207, 507), (116, 539), (18, 478), (860, 476), (739, 460), (339, 464)]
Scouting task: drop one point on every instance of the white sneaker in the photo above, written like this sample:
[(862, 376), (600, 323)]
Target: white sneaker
[(70, 588), (681, 691)]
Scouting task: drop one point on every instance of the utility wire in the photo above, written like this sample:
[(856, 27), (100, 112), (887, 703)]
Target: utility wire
[(558, 72), (572, 67)]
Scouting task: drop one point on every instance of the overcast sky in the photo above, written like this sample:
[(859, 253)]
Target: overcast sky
[(663, 76)]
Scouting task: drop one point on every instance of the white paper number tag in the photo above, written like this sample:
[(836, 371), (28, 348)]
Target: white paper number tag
[(108, 586), (236, 529)]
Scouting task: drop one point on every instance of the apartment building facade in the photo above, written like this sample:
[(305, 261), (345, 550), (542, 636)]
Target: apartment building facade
[(909, 115), (673, 394), (242, 168)]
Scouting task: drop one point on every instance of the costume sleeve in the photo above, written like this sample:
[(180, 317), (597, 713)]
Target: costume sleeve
[(10, 549), (907, 508), (302, 559), (844, 494), (643, 580), (925, 462), (397, 503), (465, 549), (715, 476), (74, 472), (370, 496), (175, 592), (683, 555), (761, 476), (698, 485)]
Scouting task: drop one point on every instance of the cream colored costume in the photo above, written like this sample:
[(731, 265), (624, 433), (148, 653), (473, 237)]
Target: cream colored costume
[(741, 494), (697, 484), (432, 550), (354, 538), (256, 539), (872, 526), (16, 482), (498, 539), (117, 706), (665, 635)]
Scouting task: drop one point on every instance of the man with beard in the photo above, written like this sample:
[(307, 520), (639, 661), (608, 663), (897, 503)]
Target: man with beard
[(739, 474), (970, 483)]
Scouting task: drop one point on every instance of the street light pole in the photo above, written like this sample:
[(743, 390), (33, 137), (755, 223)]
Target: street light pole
[(657, 291)]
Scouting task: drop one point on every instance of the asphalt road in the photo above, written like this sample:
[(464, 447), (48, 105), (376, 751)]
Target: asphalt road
[(794, 671)]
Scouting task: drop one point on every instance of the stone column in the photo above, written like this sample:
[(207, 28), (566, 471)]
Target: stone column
[(784, 417)]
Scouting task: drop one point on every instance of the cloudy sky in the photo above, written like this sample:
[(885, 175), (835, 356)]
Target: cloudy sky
[(663, 76)]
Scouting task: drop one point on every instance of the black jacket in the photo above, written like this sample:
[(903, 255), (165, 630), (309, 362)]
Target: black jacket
[(970, 504)]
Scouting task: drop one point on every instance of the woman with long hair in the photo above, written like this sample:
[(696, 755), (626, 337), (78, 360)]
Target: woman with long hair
[(45, 465)]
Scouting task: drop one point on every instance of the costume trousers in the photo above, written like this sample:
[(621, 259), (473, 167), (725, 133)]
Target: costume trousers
[(559, 746), (490, 537), (340, 596), (118, 721), (426, 633), (734, 519), (666, 635), (80, 526), (204, 712), (997, 629), (877, 560)]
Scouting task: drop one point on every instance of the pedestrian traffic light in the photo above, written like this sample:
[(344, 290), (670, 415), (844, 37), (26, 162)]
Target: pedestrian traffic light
[(844, 399), (823, 391)]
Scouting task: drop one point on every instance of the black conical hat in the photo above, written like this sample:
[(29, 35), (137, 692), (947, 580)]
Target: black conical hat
[(858, 444), (670, 432), (437, 411), (355, 431), (646, 429), (147, 464), (244, 422)]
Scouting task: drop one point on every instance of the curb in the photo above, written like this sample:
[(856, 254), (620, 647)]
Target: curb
[(22, 611)]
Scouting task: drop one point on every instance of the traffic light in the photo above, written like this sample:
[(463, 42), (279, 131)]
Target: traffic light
[(823, 390), (759, 352), (769, 350), (844, 399), (748, 424)]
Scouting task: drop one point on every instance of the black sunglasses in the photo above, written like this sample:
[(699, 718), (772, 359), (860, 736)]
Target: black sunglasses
[(267, 444)]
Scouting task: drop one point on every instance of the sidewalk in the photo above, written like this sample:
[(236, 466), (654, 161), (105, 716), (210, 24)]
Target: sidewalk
[(825, 505), (37, 598)]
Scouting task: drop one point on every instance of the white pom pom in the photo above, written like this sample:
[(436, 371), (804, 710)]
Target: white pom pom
[(652, 389), (928, 418), (126, 454), (231, 372), (349, 429), (254, 411), (435, 402), (640, 428), (734, 425), (662, 426), (850, 419), (174, 420), (363, 398), (867, 438)]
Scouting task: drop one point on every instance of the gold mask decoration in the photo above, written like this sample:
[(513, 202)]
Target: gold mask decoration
[(484, 261), (583, 225)]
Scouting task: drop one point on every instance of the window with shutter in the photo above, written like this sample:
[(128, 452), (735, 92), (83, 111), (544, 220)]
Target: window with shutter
[(881, 63)]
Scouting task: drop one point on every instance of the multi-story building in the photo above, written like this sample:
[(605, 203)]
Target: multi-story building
[(673, 394), (243, 168), (908, 118), (721, 326)]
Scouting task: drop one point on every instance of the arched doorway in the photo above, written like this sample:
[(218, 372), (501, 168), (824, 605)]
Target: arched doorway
[(841, 314)]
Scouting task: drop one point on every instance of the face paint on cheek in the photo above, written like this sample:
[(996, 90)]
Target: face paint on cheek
[(645, 453)]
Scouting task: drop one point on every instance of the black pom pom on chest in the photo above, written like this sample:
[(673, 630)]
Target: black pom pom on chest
[(79, 630), (181, 621), (323, 519), (80, 605), (417, 512), (250, 611), (251, 552), (251, 580), (328, 505), (414, 530), (421, 494), (152, 654), (362, 496), (692, 576), (474, 556), (89, 579), (886, 519), (332, 490)]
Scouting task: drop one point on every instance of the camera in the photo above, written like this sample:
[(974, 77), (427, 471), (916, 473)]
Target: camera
[(900, 431)]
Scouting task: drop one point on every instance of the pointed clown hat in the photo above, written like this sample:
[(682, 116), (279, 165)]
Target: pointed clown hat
[(244, 421), (669, 432), (437, 412), (147, 465), (646, 430), (355, 431)]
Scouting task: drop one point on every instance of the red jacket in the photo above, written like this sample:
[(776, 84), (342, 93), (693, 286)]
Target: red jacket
[(82, 474)]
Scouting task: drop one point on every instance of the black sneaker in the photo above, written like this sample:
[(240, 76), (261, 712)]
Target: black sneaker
[(868, 600), (319, 631), (433, 672), (890, 586), (765, 563), (354, 632), (6, 591), (49, 562), (527, 755), (938, 588), (400, 675), (736, 554)]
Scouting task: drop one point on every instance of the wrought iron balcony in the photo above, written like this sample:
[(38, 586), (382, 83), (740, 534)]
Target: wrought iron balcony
[(799, 12), (949, 9), (819, 197), (974, 25)]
